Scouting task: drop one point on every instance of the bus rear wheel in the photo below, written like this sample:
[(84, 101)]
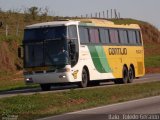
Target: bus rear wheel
[(45, 87), (125, 78), (130, 75), (85, 79)]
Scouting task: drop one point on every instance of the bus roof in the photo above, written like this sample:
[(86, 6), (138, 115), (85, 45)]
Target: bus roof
[(52, 24), (106, 23), (83, 22)]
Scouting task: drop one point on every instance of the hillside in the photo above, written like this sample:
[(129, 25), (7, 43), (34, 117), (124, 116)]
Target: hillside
[(11, 34)]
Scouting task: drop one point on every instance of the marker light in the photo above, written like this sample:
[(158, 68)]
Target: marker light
[(29, 80)]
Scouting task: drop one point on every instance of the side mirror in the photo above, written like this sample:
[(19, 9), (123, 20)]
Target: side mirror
[(20, 55)]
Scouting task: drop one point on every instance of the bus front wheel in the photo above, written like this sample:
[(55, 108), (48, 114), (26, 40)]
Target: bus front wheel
[(85, 79)]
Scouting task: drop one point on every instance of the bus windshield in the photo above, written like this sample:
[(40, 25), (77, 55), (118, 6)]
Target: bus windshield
[(45, 47), (39, 34)]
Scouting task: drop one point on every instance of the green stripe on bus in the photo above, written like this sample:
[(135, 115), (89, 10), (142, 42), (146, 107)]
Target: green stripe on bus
[(96, 59), (103, 59), (99, 59)]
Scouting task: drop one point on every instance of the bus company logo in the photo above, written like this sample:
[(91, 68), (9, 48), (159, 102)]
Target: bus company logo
[(75, 74), (117, 51)]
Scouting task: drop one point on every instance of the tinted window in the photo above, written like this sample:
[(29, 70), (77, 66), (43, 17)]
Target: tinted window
[(40, 34), (132, 36), (123, 36), (114, 35), (83, 33), (104, 35), (72, 32), (34, 55), (138, 37), (94, 35)]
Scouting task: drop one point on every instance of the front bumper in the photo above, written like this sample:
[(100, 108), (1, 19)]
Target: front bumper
[(43, 78)]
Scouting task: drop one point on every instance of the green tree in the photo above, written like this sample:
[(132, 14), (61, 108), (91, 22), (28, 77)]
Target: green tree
[(33, 11)]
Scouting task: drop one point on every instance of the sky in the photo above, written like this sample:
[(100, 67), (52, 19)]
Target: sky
[(146, 10)]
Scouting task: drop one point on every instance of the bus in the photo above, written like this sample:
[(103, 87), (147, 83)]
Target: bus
[(83, 52)]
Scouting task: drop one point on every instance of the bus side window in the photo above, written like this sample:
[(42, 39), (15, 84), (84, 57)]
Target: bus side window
[(72, 32), (123, 36), (83, 33), (104, 35), (94, 35), (132, 37), (138, 36), (114, 36)]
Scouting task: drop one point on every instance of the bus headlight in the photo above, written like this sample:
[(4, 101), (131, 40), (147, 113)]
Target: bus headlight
[(29, 80), (62, 76)]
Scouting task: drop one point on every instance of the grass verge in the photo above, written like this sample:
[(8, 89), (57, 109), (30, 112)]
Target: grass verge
[(42, 105), (13, 81), (18, 87), (11, 84), (7, 85), (152, 61)]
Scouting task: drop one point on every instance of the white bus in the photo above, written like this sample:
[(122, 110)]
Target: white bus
[(82, 51)]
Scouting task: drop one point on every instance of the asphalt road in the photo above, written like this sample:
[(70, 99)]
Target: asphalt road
[(143, 109), (30, 91)]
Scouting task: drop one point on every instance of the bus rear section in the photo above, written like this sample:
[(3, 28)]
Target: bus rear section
[(116, 51)]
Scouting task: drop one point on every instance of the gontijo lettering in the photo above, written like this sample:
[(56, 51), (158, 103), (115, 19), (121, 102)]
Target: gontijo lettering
[(117, 51)]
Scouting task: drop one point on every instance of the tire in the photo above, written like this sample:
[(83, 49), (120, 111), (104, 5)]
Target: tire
[(85, 79), (45, 87), (130, 75), (124, 80)]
